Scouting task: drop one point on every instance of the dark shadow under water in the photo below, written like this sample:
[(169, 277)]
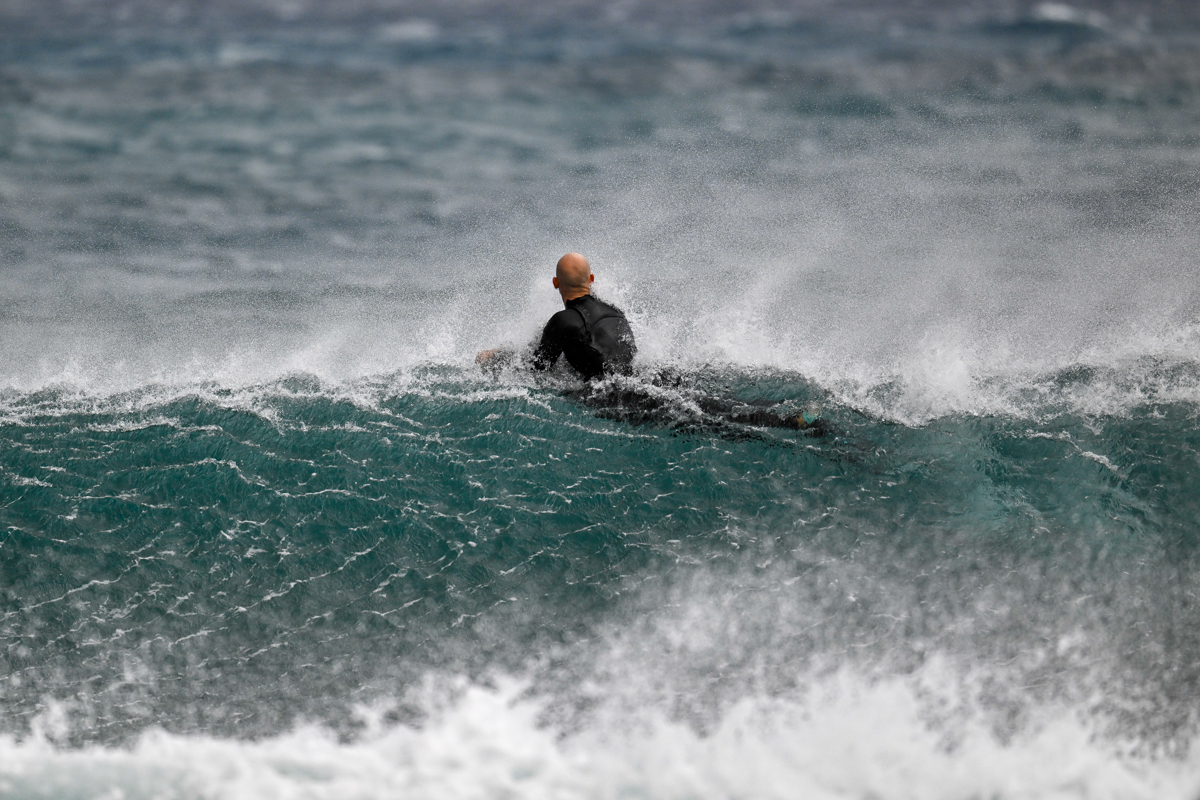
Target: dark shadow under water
[(681, 401)]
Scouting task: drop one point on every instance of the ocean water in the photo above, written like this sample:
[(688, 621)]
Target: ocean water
[(266, 531)]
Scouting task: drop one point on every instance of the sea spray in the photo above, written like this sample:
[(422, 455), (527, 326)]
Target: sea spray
[(267, 531)]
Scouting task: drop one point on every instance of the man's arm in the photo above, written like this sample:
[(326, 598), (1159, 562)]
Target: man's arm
[(550, 347), (555, 338)]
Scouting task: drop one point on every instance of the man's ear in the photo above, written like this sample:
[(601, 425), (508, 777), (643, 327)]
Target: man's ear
[(555, 281), (591, 278)]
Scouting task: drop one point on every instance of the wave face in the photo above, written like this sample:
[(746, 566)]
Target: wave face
[(266, 530)]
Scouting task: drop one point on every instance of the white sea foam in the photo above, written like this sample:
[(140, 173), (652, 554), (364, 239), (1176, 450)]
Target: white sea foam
[(845, 738), (945, 373)]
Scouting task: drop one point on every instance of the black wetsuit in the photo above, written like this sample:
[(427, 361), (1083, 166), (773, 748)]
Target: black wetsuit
[(597, 341), (594, 336)]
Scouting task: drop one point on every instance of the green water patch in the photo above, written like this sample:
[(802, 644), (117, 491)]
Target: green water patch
[(221, 564)]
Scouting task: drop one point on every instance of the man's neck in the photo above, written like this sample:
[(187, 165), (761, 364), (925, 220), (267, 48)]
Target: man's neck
[(574, 296)]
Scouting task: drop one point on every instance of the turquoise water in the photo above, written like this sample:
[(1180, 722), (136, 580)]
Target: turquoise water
[(266, 530)]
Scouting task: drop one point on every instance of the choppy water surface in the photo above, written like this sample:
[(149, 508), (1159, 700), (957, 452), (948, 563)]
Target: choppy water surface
[(266, 531)]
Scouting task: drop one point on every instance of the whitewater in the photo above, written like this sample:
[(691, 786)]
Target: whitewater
[(267, 531)]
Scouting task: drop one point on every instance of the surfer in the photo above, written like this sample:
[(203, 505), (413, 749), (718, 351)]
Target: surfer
[(594, 336), (596, 340)]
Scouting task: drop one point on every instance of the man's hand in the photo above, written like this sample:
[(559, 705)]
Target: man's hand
[(497, 359)]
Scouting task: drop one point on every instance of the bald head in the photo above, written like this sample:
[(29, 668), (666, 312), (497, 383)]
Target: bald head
[(573, 276)]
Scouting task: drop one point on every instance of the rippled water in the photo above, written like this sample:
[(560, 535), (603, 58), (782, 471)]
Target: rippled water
[(266, 531)]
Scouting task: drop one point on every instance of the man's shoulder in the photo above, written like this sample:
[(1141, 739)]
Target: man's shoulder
[(567, 319), (601, 308)]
